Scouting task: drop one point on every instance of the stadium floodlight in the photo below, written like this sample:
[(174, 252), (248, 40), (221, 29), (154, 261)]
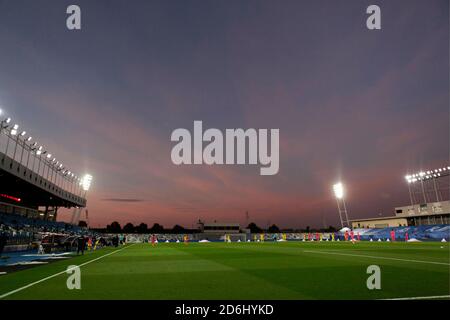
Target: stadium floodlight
[(338, 189), (7, 120), (23, 133), (427, 175), (39, 151), (29, 139), (426, 179), (14, 129), (86, 182), (49, 156)]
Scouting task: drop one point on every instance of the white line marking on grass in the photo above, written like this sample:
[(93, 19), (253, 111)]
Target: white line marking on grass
[(59, 273), (377, 257), (421, 298)]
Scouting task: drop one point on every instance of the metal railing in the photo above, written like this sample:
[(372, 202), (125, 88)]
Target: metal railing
[(18, 146)]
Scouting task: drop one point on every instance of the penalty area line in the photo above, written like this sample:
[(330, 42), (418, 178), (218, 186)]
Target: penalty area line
[(59, 273), (377, 257)]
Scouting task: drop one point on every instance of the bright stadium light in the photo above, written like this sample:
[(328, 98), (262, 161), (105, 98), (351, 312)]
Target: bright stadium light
[(86, 182), (39, 151), (427, 174), (7, 120), (23, 133), (427, 180), (14, 129), (338, 189)]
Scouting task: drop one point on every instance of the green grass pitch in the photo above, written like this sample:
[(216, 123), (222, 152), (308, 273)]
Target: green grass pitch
[(283, 270)]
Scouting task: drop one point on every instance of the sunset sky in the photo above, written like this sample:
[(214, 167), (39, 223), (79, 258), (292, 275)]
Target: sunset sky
[(352, 104)]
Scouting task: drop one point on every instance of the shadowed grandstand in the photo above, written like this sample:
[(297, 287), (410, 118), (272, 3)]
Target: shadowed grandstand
[(31, 177), (422, 233)]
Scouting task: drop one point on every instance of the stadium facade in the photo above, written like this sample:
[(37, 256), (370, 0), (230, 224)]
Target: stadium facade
[(33, 183), (217, 231), (415, 215)]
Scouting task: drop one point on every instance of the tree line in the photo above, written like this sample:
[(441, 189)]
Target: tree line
[(115, 227), (275, 229)]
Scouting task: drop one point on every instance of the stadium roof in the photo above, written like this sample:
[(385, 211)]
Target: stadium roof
[(32, 176), (35, 193)]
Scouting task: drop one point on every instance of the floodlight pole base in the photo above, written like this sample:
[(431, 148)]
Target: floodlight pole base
[(343, 214)]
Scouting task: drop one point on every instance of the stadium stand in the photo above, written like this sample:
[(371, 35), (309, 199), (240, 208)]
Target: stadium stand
[(33, 186), (24, 233), (422, 233)]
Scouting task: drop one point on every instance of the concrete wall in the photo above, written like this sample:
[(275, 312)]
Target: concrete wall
[(380, 223), (421, 209)]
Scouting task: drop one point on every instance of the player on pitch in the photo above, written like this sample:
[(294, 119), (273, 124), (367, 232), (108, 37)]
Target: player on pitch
[(154, 240)]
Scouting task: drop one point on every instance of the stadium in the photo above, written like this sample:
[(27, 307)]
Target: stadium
[(241, 153), (217, 260)]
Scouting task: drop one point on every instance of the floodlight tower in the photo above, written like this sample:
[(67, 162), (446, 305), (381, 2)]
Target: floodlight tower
[(12, 133), (85, 184), (428, 185), (338, 189), (4, 124)]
